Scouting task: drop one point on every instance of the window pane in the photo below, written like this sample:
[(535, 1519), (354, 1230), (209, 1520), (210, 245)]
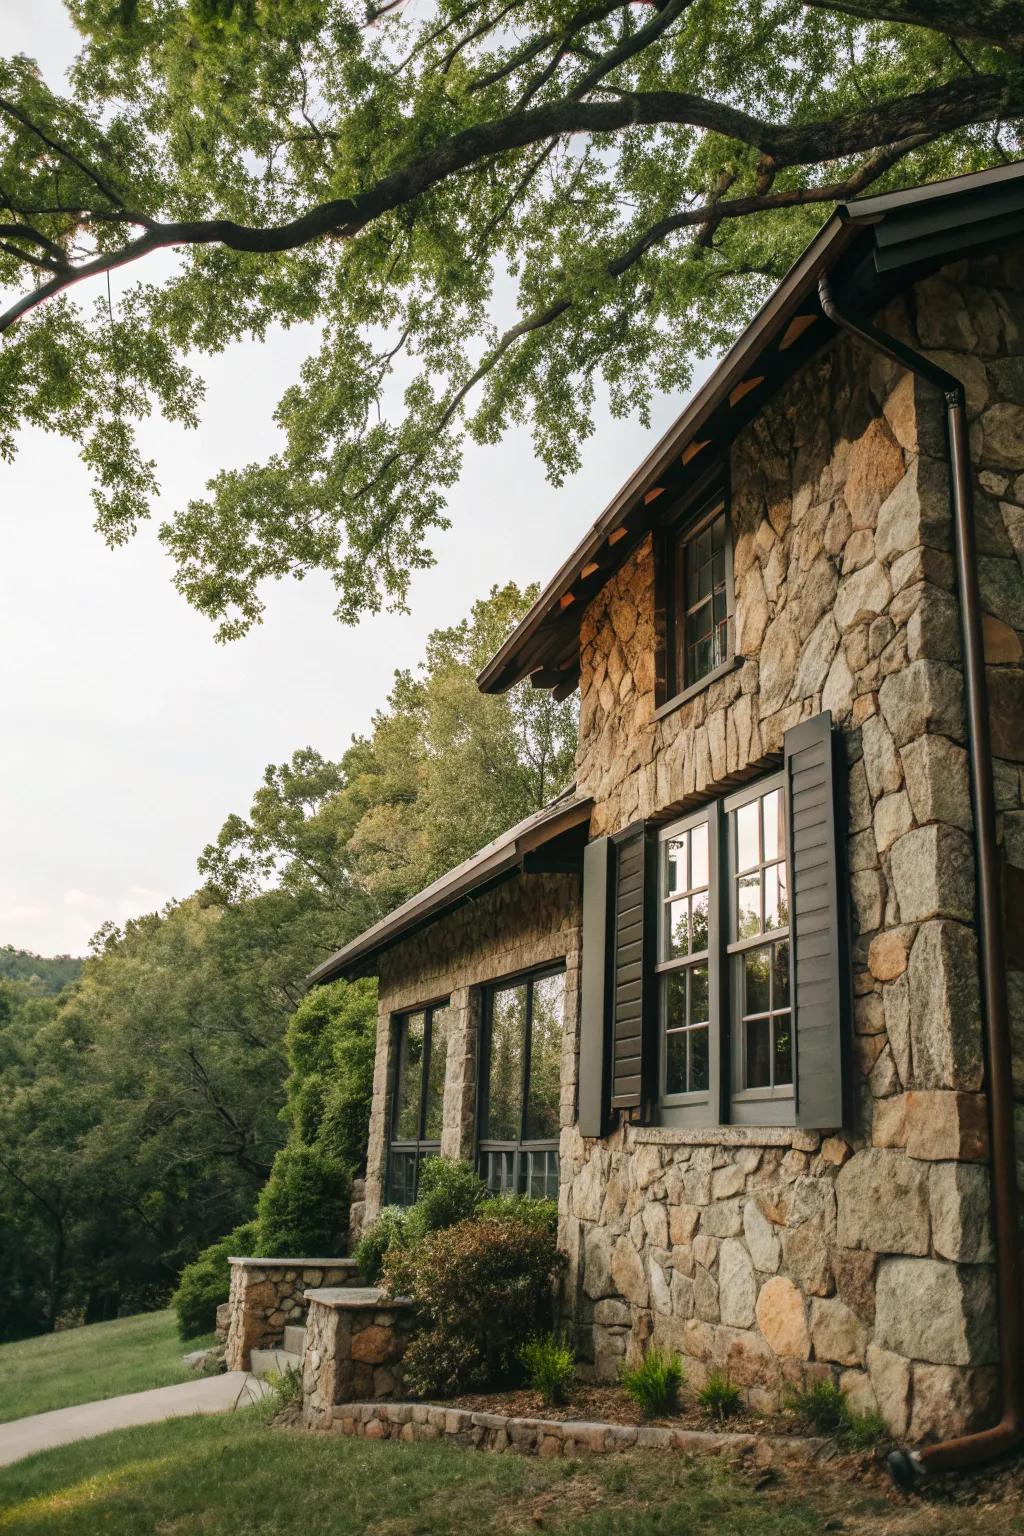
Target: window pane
[(756, 963), (774, 829), (698, 995), (780, 979), (747, 855), (699, 856), (774, 898), (698, 923), (675, 865), (410, 1071), (748, 918), (675, 999), (545, 1058), (758, 1053), (434, 1118), (678, 929), (700, 1074), (675, 1062), (783, 1050), (505, 1076)]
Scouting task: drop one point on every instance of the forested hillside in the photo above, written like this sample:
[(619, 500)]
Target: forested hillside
[(42, 973), (141, 1110)]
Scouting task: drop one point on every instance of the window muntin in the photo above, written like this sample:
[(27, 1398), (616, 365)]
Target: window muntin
[(417, 1109), (521, 1084), (702, 599), (724, 983)]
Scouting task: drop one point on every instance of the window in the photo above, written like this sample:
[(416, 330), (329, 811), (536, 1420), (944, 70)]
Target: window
[(724, 975), (520, 1082), (417, 1106), (698, 587)]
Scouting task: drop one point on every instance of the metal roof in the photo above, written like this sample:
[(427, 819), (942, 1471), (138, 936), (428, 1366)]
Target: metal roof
[(496, 861), (875, 239)]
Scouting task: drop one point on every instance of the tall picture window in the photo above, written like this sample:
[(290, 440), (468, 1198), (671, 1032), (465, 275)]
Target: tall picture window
[(519, 1083), (420, 1058)]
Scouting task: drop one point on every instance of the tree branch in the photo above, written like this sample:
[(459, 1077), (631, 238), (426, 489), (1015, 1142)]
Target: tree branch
[(997, 22)]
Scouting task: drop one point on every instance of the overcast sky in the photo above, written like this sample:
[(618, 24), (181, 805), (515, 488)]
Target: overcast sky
[(128, 734)]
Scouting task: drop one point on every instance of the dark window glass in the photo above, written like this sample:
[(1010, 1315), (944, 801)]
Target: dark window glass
[(523, 1061), (702, 601), (505, 1079), (433, 1119), (760, 922), (410, 1077), (685, 937), (417, 1115)]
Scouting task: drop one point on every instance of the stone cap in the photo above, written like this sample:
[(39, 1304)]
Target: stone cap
[(343, 1263), (355, 1298)]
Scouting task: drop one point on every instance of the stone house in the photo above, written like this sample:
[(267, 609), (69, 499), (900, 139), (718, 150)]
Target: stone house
[(733, 996)]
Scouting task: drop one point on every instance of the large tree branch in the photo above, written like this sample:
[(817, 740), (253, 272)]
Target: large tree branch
[(998, 22), (931, 113)]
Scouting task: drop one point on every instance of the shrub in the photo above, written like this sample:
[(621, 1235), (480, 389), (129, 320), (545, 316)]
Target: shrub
[(204, 1284), (864, 1430), (331, 1040), (718, 1397), (390, 1231), (483, 1288), (550, 1367), (822, 1406), (534, 1213), (449, 1191), (303, 1207), (655, 1383)]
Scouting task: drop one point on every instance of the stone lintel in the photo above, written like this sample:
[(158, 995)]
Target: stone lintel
[(343, 1263), (715, 1136), (358, 1298)]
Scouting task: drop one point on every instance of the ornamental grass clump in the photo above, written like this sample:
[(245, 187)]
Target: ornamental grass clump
[(825, 1408), (654, 1384), (550, 1368), (483, 1288), (718, 1397)]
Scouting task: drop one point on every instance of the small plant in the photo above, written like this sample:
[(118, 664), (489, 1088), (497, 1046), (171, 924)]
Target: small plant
[(718, 1397), (825, 1408), (654, 1384), (863, 1431), (285, 1390), (550, 1367)]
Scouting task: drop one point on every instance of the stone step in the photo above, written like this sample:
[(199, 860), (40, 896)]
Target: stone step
[(266, 1362), (295, 1340)]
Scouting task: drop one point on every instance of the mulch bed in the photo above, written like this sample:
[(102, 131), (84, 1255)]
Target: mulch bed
[(610, 1405)]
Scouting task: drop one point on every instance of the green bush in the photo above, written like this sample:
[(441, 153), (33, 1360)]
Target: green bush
[(390, 1230), (550, 1367), (303, 1207), (331, 1040), (449, 1191), (824, 1408), (534, 1213), (654, 1384), (204, 1284), (718, 1397), (483, 1288)]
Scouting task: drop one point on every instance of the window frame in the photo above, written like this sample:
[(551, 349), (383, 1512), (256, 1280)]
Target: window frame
[(522, 1149), (419, 1146), (683, 526)]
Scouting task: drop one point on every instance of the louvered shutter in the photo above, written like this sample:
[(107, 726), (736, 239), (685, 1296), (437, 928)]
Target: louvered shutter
[(818, 950), (629, 971), (595, 1002)]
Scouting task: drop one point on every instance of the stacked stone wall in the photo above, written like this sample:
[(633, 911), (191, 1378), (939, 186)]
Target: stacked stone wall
[(865, 1255), (268, 1295), (528, 921), (354, 1349)]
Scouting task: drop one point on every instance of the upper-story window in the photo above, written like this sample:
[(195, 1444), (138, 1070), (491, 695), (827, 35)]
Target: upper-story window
[(417, 1105), (520, 1079), (697, 597)]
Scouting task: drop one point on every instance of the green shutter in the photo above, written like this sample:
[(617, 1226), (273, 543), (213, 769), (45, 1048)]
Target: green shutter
[(817, 924), (629, 972), (595, 1004)]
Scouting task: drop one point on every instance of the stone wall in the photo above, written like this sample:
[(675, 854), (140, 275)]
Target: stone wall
[(355, 1344), (864, 1256), (528, 921), (268, 1295)]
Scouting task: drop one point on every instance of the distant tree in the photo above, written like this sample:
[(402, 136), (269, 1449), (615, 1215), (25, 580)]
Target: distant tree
[(44, 973), (626, 176)]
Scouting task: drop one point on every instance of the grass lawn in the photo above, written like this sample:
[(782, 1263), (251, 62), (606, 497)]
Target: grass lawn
[(83, 1364), (234, 1475)]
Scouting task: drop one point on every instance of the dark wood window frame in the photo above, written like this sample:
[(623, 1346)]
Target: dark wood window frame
[(516, 1159), (678, 533), (405, 1154)]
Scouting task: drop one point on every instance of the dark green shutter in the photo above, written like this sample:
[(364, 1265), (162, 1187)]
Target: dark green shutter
[(817, 923), (598, 927), (629, 971)]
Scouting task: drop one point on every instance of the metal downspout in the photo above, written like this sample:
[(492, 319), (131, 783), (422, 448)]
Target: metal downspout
[(909, 1466)]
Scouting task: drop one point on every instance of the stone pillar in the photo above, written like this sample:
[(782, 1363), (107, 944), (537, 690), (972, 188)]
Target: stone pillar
[(459, 1131), (377, 1145), (355, 1343)]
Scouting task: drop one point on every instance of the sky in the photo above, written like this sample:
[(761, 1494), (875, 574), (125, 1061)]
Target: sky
[(127, 734)]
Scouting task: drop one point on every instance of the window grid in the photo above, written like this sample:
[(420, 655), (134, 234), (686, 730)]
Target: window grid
[(760, 947), (684, 961), (702, 599), (519, 1119)]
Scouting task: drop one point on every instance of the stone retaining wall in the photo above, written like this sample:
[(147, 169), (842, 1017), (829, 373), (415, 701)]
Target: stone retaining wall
[(268, 1295), (496, 1432), (355, 1343)]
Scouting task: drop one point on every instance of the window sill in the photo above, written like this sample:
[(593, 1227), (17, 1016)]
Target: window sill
[(705, 682), (722, 1136)]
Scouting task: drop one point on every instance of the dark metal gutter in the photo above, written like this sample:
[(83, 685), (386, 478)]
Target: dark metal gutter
[(909, 1466)]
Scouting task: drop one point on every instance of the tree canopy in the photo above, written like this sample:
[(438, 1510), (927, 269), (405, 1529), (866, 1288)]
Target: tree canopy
[(485, 211)]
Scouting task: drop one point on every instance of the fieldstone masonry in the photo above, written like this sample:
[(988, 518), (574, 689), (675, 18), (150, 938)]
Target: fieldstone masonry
[(268, 1295), (864, 1253), (355, 1343)]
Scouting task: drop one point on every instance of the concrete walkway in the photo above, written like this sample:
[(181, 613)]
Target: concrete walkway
[(207, 1394)]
